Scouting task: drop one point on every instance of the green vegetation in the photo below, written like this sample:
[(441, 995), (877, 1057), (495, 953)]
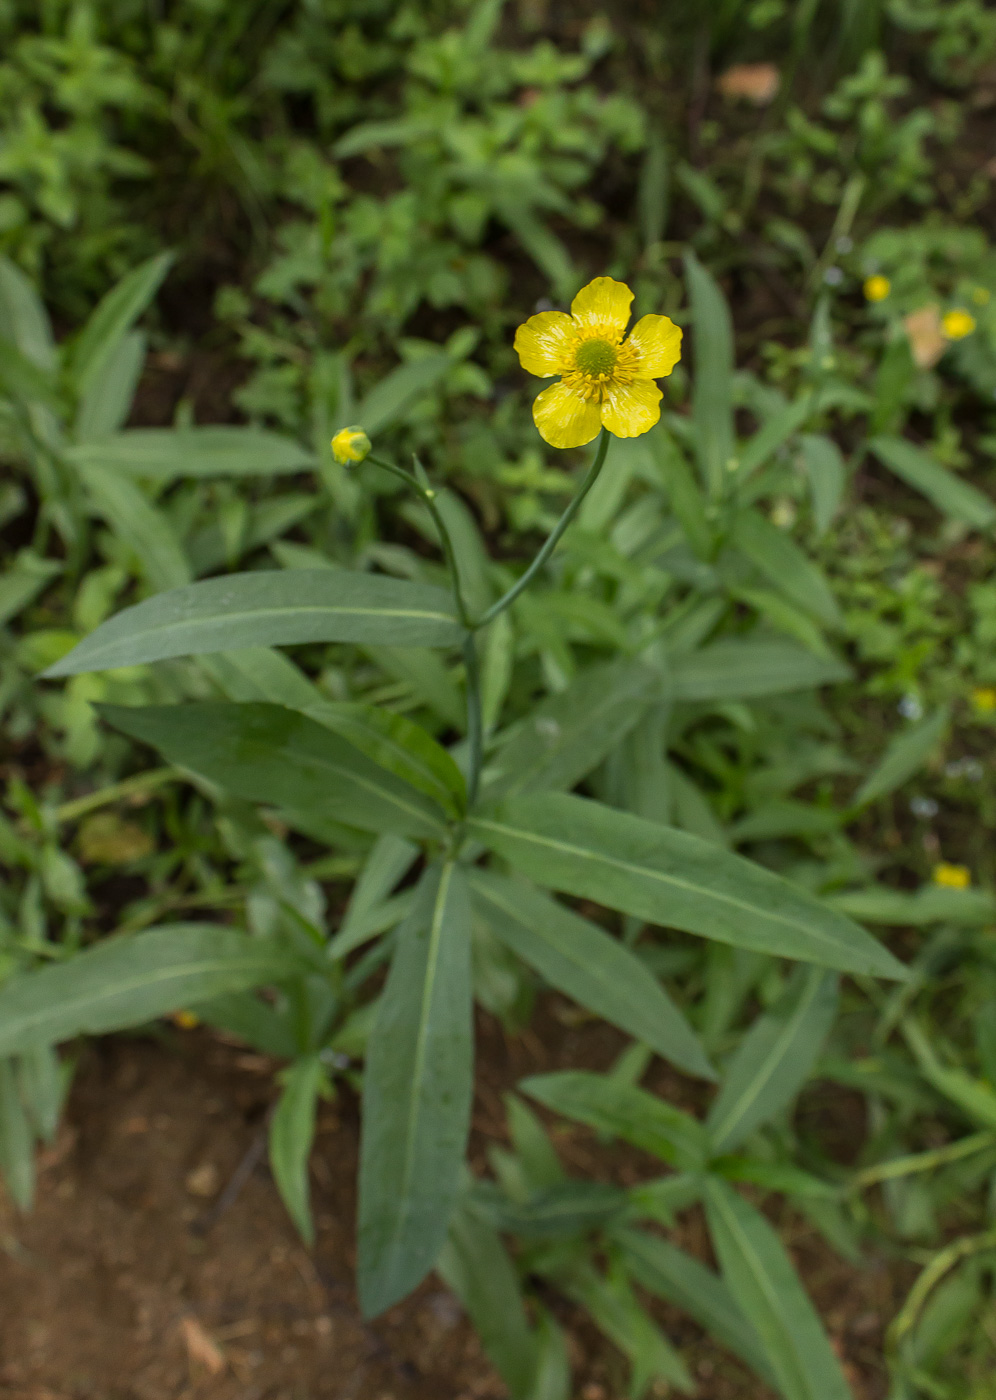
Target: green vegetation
[(739, 718)]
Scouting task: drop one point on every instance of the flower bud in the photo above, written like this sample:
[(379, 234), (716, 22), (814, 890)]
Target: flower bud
[(350, 445)]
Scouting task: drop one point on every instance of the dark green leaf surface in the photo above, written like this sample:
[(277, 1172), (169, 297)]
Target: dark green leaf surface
[(169, 454), (416, 1095), (733, 669), (671, 878), (762, 1280), (948, 492), (272, 608), (126, 981), (712, 382), (624, 1110), (267, 753), (774, 554), (553, 1212), (905, 755), (581, 959), (292, 1131)]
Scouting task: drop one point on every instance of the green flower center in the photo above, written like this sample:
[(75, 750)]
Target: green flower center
[(596, 357)]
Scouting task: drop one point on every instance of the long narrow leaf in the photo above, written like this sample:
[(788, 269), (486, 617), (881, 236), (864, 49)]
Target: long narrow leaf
[(168, 454), (948, 492)]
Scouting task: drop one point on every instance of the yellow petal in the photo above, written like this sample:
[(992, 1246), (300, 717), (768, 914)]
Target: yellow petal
[(630, 410), (543, 342), (658, 341), (603, 306), (564, 417)]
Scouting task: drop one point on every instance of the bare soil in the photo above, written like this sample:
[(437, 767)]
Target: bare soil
[(139, 1277)]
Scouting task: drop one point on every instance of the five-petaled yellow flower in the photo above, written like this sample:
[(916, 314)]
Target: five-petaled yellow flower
[(877, 288), (957, 324), (952, 877), (350, 445), (606, 381)]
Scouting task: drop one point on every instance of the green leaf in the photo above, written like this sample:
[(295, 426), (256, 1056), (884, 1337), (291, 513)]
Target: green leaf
[(581, 959), (622, 1110), (712, 379), (553, 1212), (948, 492), (824, 465), (475, 1265), (569, 734), (24, 580), (774, 554), (43, 1081), (417, 1092), (671, 878), (168, 454), (905, 754), (929, 905), (615, 1311), (388, 400), (271, 608), (390, 858), (127, 981), (23, 318), (292, 1131), (672, 1274), (267, 753), (106, 404), (772, 434), (144, 528), (765, 1285), (773, 1060), (96, 346), (17, 1144), (739, 669), (23, 381)]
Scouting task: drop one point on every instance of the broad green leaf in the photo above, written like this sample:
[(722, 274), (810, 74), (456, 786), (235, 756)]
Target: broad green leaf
[(624, 1111), (581, 959), (712, 378), (417, 1092), (23, 318), (671, 878), (738, 669), (106, 404), (168, 454), (127, 981), (17, 1145), (24, 580), (773, 1060), (774, 554), (553, 1366), (761, 1278), (292, 1131), (475, 1265), (672, 1274), (569, 734), (93, 354), (267, 753), (142, 526), (553, 1212), (388, 400), (948, 492), (905, 754), (271, 608), (824, 465), (615, 1311)]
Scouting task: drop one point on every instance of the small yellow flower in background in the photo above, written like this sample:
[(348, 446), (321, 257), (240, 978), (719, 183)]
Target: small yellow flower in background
[(952, 877), (606, 381), (984, 699), (981, 296), (186, 1020), (957, 324), (350, 445), (877, 288)]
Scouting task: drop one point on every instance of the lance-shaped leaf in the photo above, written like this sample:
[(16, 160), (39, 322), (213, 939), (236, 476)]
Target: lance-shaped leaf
[(905, 754), (765, 1285), (581, 959), (165, 454), (712, 398), (292, 1131), (269, 608), (780, 560), (675, 879), (416, 1094), (948, 492), (669, 1272), (613, 1306), (126, 981), (737, 669), (93, 354), (267, 753), (552, 1212), (774, 1059), (611, 1106)]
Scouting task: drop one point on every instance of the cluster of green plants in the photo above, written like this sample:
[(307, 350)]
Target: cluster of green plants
[(740, 711)]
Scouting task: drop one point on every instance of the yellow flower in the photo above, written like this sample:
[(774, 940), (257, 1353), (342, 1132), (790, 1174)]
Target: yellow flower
[(350, 445), (606, 381), (186, 1020), (957, 324), (877, 288), (984, 699), (952, 877)]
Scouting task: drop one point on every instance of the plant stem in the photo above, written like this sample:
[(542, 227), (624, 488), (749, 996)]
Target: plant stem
[(141, 784), (507, 599), (475, 724)]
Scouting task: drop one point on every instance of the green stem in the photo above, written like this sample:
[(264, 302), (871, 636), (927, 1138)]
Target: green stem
[(475, 724), (507, 599), (141, 784)]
